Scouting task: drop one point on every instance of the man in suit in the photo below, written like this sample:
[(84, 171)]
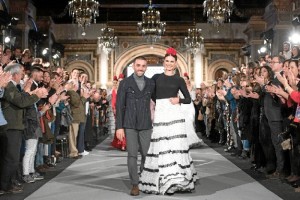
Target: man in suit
[(13, 104), (273, 111), (133, 117)]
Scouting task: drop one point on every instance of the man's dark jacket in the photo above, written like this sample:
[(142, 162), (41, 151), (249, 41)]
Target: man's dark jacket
[(133, 105)]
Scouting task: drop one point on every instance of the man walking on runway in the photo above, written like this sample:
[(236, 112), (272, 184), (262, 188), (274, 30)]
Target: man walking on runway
[(133, 117)]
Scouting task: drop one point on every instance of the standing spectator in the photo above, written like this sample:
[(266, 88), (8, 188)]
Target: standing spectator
[(14, 103), (83, 78), (295, 52), (32, 133), (286, 53), (77, 111), (4, 80), (272, 109), (17, 54)]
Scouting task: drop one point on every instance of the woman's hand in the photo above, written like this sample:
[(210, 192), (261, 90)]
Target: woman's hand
[(292, 80), (174, 100), (282, 79), (259, 79)]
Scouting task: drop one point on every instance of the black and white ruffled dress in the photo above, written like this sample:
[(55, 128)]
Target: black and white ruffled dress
[(168, 167)]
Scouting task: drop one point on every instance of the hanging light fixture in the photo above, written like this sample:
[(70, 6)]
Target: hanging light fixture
[(218, 11), (194, 40), (83, 12), (107, 39), (151, 27)]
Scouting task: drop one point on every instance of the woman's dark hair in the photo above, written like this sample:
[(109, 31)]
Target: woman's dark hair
[(298, 51), (288, 61), (270, 72), (295, 61), (175, 56)]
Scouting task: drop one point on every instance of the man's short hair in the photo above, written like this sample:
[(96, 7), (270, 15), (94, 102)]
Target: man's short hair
[(36, 68), (281, 59), (140, 58), (13, 68)]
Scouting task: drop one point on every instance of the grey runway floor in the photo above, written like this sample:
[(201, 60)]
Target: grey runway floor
[(103, 175)]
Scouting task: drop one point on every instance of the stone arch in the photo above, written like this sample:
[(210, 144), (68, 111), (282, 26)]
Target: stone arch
[(219, 64), (83, 65), (141, 50)]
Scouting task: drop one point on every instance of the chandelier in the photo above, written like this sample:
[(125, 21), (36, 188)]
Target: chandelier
[(107, 39), (194, 40), (218, 11), (83, 12), (151, 27)]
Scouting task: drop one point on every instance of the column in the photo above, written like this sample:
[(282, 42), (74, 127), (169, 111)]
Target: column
[(198, 68), (256, 25), (103, 68), (278, 16)]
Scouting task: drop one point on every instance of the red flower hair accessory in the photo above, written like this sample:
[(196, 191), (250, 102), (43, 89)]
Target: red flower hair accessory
[(121, 76), (171, 51), (115, 78), (185, 74)]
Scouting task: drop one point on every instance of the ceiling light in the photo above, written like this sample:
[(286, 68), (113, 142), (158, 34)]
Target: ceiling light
[(83, 12), (218, 11), (151, 27)]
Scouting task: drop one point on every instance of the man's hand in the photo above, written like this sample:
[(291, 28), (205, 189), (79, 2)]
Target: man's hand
[(120, 133), (52, 100), (63, 96), (41, 92), (4, 79), (27, 86)]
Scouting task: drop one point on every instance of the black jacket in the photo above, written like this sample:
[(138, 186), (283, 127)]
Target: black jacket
[(272, 104), (133, 105)]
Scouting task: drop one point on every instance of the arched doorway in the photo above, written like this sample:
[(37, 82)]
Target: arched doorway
[(219, 67)]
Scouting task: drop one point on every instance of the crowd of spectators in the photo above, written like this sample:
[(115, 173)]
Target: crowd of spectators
[(254, 111), (39, 105)]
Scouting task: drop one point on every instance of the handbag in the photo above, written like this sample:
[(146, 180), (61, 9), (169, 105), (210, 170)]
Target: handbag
[(286, 144), (285, 137), (66, 117)]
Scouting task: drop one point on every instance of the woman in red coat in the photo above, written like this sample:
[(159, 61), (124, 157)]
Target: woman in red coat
[(119, 144)]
